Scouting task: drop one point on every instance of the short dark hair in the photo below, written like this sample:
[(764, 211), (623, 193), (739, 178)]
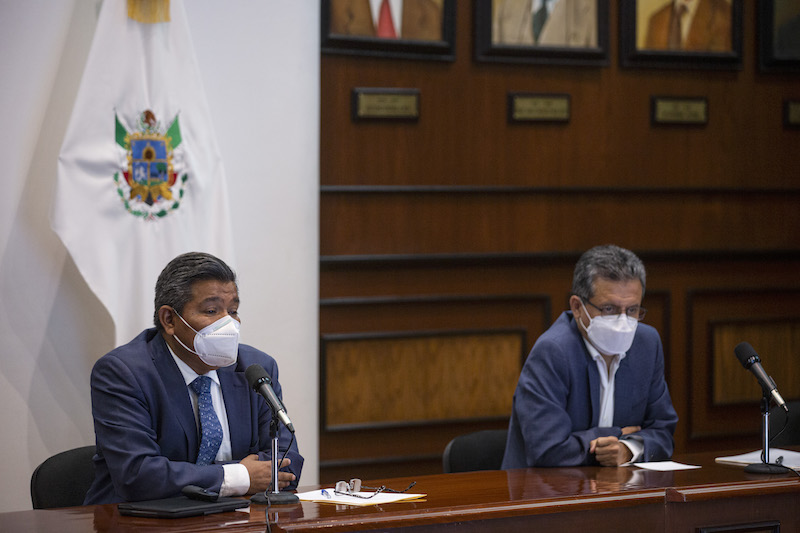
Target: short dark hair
[(174, 284), (608, 262)]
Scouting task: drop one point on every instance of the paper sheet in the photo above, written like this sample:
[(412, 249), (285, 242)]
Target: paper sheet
[(787, 458), (329, 496), (665, 466)]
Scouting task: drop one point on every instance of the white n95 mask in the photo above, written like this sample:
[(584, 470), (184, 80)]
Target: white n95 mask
[(610, 334), (216, 344)]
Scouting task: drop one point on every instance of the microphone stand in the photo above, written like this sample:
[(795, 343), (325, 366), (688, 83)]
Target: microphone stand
[(276, 497), (765, 467)]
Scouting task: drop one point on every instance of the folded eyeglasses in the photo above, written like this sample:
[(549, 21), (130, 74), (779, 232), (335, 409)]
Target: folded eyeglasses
[(353, 488)]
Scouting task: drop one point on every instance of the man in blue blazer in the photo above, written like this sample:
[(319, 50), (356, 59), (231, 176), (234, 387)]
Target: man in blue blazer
[(592, 390), (149, 419)]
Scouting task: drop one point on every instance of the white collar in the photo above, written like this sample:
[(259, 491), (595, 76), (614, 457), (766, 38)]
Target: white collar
[(596, 355), (691, 6), (188, 374)]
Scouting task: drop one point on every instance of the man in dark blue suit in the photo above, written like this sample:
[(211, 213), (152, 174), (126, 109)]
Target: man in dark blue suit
[(592, 390), (148, 418)]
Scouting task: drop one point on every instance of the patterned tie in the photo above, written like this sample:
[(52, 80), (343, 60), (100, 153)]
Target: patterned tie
[(539, 18), (385, 24), (210, 428)]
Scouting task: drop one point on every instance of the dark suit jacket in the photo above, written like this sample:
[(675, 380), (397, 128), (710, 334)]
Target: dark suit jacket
[(556, 403), (421, 19), (710, 30), (146, 435)]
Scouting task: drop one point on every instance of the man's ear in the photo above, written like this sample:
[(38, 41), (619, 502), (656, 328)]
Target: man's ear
[(575, 305), (167, 317)]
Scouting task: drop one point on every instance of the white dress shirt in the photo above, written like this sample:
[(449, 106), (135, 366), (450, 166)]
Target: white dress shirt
[(688, 16), (396, 7), (606, 400), (537, 4), (236, 479)]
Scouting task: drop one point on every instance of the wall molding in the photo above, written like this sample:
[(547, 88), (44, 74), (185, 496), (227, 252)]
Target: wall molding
[(512, 189), (330, 262)]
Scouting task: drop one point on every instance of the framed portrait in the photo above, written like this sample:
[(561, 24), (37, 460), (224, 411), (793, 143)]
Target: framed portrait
[(410, 29), (558, 32), (779, 35), (700, 34)]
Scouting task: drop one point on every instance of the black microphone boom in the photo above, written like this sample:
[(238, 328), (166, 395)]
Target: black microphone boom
[(260, 382), (752, 362)]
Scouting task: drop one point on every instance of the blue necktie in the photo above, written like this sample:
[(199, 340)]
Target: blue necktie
[(210, 428)]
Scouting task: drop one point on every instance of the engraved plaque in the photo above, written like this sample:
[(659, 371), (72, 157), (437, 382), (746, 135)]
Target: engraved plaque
[(687, 111), (524, 107), (385, 104)]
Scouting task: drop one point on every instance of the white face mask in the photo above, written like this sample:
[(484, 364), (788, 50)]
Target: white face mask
[(610, 334), (217, 344)]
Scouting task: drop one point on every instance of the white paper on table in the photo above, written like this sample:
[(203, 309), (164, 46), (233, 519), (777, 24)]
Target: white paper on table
[(380, 498), (787, 458), (665, 466)]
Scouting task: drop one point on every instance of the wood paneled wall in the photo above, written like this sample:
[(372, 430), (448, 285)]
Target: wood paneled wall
[(444, 240)]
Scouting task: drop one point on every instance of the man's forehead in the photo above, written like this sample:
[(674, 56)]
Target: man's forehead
[(210, 290), (617, 287)]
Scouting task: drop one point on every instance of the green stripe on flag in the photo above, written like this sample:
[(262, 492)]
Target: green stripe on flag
[(120, 133), (174, 132)]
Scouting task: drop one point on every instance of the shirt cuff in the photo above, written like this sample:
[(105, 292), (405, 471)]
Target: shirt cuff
[(636, 448), (235, 480)]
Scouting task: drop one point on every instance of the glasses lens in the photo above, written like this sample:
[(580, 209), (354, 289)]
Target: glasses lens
[(636, 312)]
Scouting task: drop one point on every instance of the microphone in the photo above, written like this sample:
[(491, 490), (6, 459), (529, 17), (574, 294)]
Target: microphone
[(752, 362), (259, 381)]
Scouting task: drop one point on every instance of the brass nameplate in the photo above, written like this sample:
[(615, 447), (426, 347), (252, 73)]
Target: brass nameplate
[(538, 108), (791, 113), (680, 110), (371, 103)]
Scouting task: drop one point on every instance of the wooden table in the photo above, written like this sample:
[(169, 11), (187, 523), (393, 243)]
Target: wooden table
[(536, 499)]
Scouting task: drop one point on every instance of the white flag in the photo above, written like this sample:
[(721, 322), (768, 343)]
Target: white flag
[(140, 178)]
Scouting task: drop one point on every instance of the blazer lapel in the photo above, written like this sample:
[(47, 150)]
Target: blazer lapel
[(594, 385), (622, 406), (237, 406), (176, 391)]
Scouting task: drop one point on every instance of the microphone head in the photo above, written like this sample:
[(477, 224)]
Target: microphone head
[(746, 354), (256, 375)]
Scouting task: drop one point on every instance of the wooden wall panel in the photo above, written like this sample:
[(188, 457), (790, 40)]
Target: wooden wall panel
[(422, 378), (402, 375), (778, 340), (461, 221), (718, 321), (343, 278), (414, 313), (521, 221)]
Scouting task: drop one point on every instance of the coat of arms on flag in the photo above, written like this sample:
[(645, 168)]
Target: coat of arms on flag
[(140, 173), (149, 187)]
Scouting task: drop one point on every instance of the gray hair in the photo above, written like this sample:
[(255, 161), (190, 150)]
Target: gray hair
[(174, 285), (607, 262)]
